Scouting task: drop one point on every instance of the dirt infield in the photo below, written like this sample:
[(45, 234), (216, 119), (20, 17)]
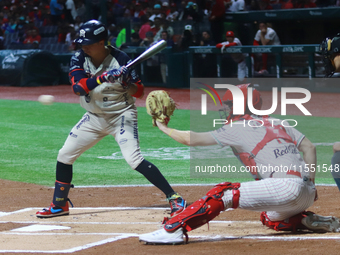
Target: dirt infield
[(108, 220), (233, 232)]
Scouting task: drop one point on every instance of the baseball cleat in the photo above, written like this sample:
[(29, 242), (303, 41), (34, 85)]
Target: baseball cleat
[(320, 223), (161, 236), (53, 211), (177, 204)]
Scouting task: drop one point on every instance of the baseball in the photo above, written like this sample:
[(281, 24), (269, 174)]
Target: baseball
[(46, 99)]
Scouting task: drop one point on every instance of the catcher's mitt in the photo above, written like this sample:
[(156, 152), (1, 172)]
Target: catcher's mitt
[(160, 106)]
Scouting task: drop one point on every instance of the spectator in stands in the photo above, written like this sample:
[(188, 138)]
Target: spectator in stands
[(145, 26), (217, 20), (165, 8), (204, 61), (173, 15), (135, 41), (148, 40), (192, 12), (8, 26), (70, 11), (265, 36), (21, 28), (156, 12), (181, 10), (121, 38), (165, 36), (70, 37), (138, 12), (187, 39), (62, 32), (56, 8), (81, 9), (112, 34), (32, 36), (78, 23), (35, 14), (235, 5), (5, 12), (162, 56), (239, 58), (206, 39), (156, 26), (165, 26)]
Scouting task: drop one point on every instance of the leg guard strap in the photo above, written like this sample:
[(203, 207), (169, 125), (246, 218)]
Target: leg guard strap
[(203, 210), (61, 191), (291, 224)]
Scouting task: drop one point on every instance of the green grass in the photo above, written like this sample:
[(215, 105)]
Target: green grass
[(32, 134)]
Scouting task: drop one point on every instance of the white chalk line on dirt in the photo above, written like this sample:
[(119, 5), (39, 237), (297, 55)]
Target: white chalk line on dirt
[(150, 185), (119, 236), (272, 238), (75, 249)]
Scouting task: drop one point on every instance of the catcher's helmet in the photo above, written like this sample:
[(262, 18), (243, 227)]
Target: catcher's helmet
[(228, 100), (91, 32), (328, 49)]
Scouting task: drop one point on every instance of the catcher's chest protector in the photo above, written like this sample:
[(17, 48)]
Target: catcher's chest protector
[(203, 210), (272, 132)]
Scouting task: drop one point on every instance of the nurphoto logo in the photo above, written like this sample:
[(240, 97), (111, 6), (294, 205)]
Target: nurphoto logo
[(239, 107)]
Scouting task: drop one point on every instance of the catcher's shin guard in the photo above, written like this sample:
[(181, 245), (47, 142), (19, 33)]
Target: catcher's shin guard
[(203, 210), (293, 223)]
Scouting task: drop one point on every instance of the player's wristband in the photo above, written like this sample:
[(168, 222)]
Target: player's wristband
[(140, 90), (100, 79)]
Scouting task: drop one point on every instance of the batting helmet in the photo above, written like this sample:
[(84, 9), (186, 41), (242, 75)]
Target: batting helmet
[(228, 99), (328, 49), (91, 32)]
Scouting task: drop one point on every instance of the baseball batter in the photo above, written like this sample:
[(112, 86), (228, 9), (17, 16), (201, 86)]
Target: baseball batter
[(330, 50), (107, 90), (239, 58), (282, 193)]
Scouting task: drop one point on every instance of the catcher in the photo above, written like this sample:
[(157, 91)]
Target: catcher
[(330, 50), (282, 196)]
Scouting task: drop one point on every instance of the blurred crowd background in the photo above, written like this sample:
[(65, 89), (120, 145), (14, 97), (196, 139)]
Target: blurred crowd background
[(53, 24)]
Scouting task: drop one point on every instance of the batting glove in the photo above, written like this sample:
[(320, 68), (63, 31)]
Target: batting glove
[(112, 75)]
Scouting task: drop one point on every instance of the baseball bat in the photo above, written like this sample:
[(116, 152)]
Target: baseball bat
[(154, 49)]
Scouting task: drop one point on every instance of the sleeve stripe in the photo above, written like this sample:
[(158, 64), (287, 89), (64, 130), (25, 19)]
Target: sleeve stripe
[(78, 69)]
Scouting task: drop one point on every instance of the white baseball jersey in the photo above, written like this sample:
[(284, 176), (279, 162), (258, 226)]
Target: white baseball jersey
[(271, 35), (277, 158), (281, 194)]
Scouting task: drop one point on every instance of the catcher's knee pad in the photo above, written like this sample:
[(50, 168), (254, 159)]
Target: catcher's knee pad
[(60, 196), (291, 224), (203, 210)]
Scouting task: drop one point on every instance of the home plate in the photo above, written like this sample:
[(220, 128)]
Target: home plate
[(37, 227)]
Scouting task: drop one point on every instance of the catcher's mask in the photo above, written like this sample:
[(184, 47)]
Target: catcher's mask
[(329, 48), (227, 111)]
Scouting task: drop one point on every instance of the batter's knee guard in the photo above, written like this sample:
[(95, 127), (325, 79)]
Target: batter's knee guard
[(293, 223), (203, 210), (60, 196)]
